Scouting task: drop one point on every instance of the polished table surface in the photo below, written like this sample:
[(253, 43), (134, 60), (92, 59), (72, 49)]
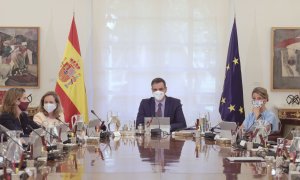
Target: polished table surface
[(145, 158)]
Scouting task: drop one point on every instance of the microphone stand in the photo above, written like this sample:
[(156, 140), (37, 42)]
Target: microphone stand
[(60, 129), (93, 112), (157, 131), (104, 134), (14, 141), (42, 137), (53, 135), (284, 149), (213, 128), (62, 122), (102, 126), (4, 131)]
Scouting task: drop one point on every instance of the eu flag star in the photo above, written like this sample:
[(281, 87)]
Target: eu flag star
[(241, 110), (236, 61), (223, 100), (227, 67), (231, 107)]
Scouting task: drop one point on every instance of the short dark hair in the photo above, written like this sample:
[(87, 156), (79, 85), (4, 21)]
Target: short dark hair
[(158, 80)]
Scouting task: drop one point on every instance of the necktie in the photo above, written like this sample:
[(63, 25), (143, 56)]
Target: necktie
[(159, 112)]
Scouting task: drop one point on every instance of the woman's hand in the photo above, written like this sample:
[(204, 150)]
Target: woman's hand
[(256, 111), (268, 128)]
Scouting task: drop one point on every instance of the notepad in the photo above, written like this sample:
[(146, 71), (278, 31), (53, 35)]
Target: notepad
[(245, 159)]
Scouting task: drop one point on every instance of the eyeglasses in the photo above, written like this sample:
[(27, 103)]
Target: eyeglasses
[(29, 98)]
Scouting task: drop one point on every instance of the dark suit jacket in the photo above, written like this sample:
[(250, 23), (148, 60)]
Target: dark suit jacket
[(12, 123), (173, 109)]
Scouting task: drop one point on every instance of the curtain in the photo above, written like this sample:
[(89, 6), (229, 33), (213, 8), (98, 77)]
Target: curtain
[(182, 41)]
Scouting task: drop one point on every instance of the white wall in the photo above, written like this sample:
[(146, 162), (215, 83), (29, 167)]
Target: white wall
[(54, 18), (254, 21)]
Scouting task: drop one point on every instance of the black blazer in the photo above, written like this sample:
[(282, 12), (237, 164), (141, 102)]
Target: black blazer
[(10, 122), (173, 109)]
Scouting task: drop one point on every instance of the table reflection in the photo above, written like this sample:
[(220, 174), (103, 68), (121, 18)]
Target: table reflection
[(231, 170), (155, 158), (160, 152)]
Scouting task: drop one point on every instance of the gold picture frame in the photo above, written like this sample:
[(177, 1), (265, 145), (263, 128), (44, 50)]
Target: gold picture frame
[(19, 57)]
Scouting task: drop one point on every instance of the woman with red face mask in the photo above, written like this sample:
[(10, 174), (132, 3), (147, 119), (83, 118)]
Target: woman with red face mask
[(12, 115)]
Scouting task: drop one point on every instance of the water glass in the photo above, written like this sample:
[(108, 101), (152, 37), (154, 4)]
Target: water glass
[(280, 142)]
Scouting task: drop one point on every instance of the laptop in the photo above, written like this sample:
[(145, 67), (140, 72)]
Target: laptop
[(226, 128), (225, 125), (157, 122)]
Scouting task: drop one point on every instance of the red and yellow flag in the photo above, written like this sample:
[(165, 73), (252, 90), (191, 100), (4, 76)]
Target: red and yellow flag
[(70, 82)]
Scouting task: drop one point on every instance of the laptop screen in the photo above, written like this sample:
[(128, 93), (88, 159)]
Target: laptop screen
[(225, 125), (157, 122)]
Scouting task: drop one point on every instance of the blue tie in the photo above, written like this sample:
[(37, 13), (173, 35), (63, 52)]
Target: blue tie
[(159, 111)]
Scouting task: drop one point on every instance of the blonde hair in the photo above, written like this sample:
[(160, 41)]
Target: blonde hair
[(9, 100), (58, 108), (262, 92)]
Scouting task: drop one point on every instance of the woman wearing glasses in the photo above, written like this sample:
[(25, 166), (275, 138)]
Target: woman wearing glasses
[(12, 115)]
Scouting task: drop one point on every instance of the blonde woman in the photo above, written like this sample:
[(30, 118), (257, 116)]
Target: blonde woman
[(259, 112), (50, 110), (13, 117)]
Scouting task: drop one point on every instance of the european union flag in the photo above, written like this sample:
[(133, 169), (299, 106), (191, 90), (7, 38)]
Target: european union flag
[(232, 103)]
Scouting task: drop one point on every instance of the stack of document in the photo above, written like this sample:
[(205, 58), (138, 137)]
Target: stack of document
[(245, 159)]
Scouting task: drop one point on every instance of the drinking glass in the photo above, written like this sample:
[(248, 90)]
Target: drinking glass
[(280, 142), (113, 121), (14, 148)]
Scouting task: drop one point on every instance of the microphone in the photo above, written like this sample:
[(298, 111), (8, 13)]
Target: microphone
[(215, 127), (53, 135), (93, 112), (102, 126), (42, 137), (60, 129), (156, 131), (283, 149), (51, 155), (288, 133), (62, 122), (211, 135)]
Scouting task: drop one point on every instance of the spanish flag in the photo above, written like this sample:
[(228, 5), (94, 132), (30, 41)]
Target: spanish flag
[(70, 82)]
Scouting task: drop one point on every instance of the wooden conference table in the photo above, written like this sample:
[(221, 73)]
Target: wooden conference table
[(145, 158)]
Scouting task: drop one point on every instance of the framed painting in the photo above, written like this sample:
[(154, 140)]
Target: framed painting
[(285, 58), (19, 57)]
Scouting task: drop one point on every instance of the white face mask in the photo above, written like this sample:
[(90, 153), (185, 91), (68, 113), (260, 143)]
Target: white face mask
[(158, 95), (49, 107), (257, 103)]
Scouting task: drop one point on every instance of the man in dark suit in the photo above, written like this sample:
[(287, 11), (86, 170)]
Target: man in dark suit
[(161, 105)]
